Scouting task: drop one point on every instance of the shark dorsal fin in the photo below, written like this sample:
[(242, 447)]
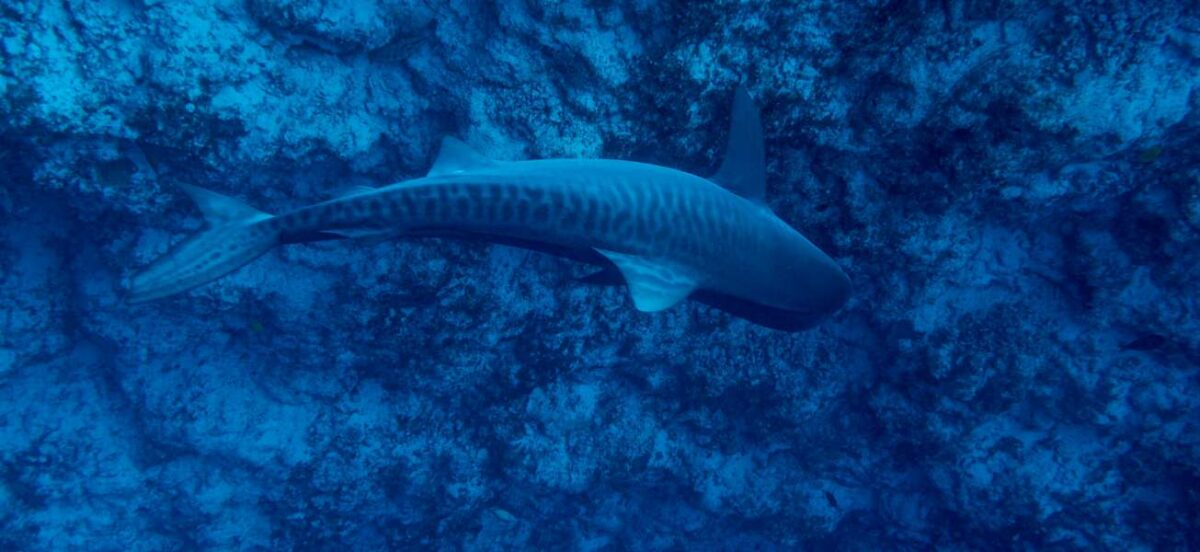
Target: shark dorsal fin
[(743, 171), (654, 285), (456, 157), (220, 209)]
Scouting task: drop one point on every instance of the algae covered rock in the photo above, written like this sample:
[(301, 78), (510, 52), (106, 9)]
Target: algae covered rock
[(1013, 188)]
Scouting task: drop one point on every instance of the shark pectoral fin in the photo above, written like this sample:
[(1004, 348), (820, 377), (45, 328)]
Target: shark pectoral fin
[(456, 157), (654, 285)]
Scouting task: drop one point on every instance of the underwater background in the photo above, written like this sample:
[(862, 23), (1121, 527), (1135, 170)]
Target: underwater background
[(1014, 189)]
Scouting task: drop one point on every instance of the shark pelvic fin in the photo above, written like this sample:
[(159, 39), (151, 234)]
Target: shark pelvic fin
[(456, 157), (607, 276), (219, 209), (744, 171), (654, 285)]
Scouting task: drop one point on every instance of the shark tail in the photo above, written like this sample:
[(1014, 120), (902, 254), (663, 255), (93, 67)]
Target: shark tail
[(236, 234)]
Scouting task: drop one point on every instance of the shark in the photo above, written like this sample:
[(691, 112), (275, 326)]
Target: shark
[(666, 234)]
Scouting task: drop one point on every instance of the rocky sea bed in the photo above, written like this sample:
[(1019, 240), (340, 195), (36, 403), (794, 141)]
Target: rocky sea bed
[(1013, 188)]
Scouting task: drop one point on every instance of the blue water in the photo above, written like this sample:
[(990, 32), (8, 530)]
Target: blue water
[(1013, 188)]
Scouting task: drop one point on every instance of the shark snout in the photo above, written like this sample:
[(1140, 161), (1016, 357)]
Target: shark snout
[(825, 286), (839, 287)]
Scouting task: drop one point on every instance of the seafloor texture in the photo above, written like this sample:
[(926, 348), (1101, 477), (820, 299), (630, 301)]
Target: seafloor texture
[(1014, 189)]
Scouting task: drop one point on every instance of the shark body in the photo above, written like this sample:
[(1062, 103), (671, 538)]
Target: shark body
[(670, 234)]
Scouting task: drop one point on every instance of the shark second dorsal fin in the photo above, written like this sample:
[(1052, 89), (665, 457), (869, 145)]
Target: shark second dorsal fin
[(743, 171), (654, 285), (456, 157)]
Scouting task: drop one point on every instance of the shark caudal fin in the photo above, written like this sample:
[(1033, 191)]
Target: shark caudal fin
[(235, 236)]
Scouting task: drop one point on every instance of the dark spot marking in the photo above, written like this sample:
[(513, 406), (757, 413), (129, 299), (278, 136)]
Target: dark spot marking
[(492, 206), (678, 241), (629, 230), (338, 212), (541, 213), (325, 215), (660, 233), (506, 211), (604, 221), (589, 215), (620, 220), (570, 218)]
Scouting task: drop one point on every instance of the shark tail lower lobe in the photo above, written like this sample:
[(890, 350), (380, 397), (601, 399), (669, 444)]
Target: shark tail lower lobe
[(236, 234)]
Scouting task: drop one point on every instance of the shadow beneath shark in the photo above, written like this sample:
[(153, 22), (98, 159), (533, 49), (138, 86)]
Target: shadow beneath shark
[(609, 275)]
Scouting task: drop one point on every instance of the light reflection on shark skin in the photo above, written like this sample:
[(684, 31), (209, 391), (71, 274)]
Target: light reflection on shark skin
[(670, 234)]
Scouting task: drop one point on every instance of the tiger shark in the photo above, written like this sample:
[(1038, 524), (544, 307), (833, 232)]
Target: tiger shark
[(667, 234)]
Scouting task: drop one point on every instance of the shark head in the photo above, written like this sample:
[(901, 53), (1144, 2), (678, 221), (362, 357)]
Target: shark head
[(797, 276), (825, 287), (815, 284)]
